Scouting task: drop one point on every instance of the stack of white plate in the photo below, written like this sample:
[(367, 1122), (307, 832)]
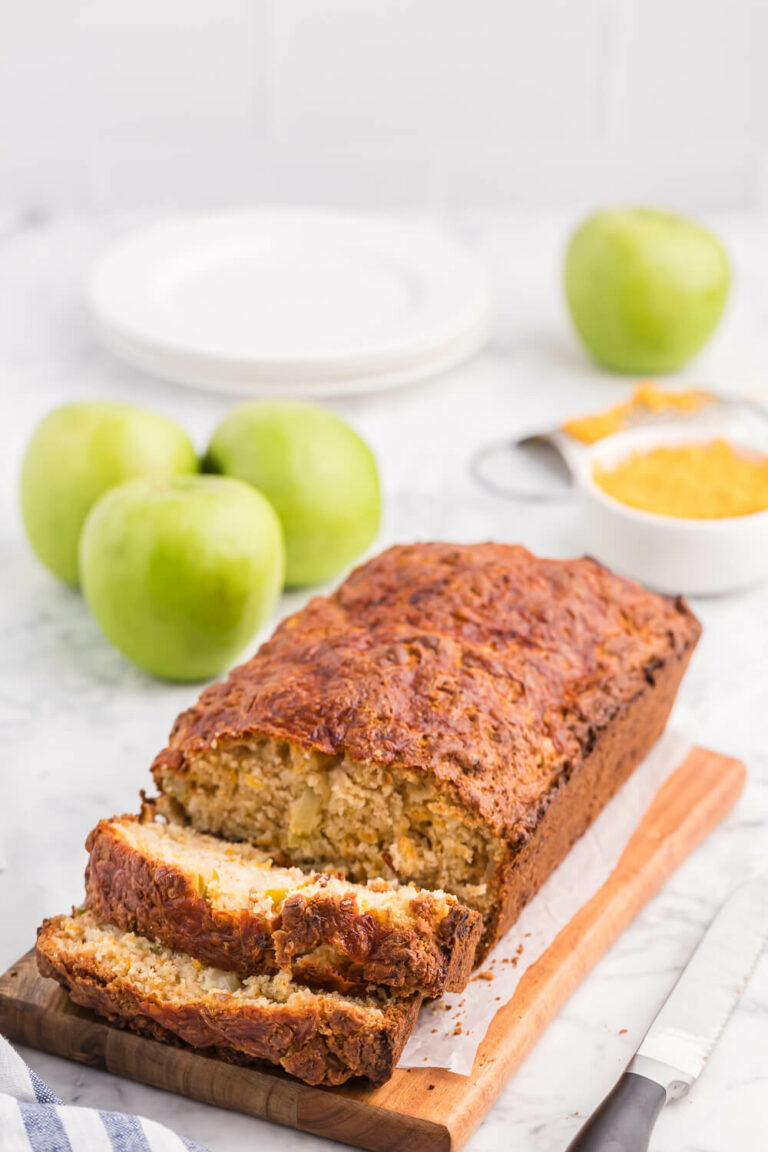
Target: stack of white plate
[(270, 302)]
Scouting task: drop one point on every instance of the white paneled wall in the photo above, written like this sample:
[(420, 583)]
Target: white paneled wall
[(467, 72), (437, 103)]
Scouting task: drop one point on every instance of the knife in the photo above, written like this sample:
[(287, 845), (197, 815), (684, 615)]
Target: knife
[(686, 1029)]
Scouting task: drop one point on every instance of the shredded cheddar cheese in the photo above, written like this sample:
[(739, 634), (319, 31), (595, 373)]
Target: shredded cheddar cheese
[(705, 481), (647, 397)]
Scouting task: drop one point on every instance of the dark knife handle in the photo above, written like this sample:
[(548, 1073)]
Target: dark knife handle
[(625, 1119)]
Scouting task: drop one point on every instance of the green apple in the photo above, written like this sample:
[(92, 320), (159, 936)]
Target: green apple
[(76, 454), (645, 288), (181, 573), (318, 475)]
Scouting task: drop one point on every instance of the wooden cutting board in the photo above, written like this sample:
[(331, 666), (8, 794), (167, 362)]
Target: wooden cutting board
[(420, 1109)]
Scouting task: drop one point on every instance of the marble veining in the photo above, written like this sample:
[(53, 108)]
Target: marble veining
[(79, 726)]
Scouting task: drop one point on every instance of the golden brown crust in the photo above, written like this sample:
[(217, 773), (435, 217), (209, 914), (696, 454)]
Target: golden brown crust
[(326, 1042), (487, 668), (139, 893), (581, 796), (429, 958)]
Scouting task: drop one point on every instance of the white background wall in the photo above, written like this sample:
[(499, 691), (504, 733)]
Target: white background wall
[(442, 103)]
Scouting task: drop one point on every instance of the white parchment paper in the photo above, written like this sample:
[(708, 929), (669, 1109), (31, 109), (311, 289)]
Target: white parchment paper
[(449, 1030)]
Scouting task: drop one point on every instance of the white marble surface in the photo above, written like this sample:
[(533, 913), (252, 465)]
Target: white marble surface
[(79, 726)]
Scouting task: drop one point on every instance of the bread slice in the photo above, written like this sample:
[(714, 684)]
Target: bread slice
[(322, 1038), (453, 715), (230, 906)]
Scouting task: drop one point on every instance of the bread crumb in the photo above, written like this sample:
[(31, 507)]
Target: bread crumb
[(458, 1030), (485, 975)]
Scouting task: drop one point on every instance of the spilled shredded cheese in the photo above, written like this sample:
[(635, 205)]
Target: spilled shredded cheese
[(647, 397)]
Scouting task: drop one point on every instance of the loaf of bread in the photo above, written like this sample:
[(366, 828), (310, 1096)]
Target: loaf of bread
[(231, 907), (454, 716), (323, 1038)]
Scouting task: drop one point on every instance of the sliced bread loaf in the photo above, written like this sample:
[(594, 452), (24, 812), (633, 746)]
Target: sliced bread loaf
[(322, 1038), (229, 906), (453, 715)]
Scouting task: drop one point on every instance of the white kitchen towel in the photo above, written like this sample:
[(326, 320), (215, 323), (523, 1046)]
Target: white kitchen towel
[(33, 1119)]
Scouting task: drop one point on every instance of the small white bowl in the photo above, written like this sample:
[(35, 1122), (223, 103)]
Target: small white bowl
[(670, 553)]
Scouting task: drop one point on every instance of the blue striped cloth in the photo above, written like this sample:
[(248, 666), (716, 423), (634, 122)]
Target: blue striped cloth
[(33, 1119)]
